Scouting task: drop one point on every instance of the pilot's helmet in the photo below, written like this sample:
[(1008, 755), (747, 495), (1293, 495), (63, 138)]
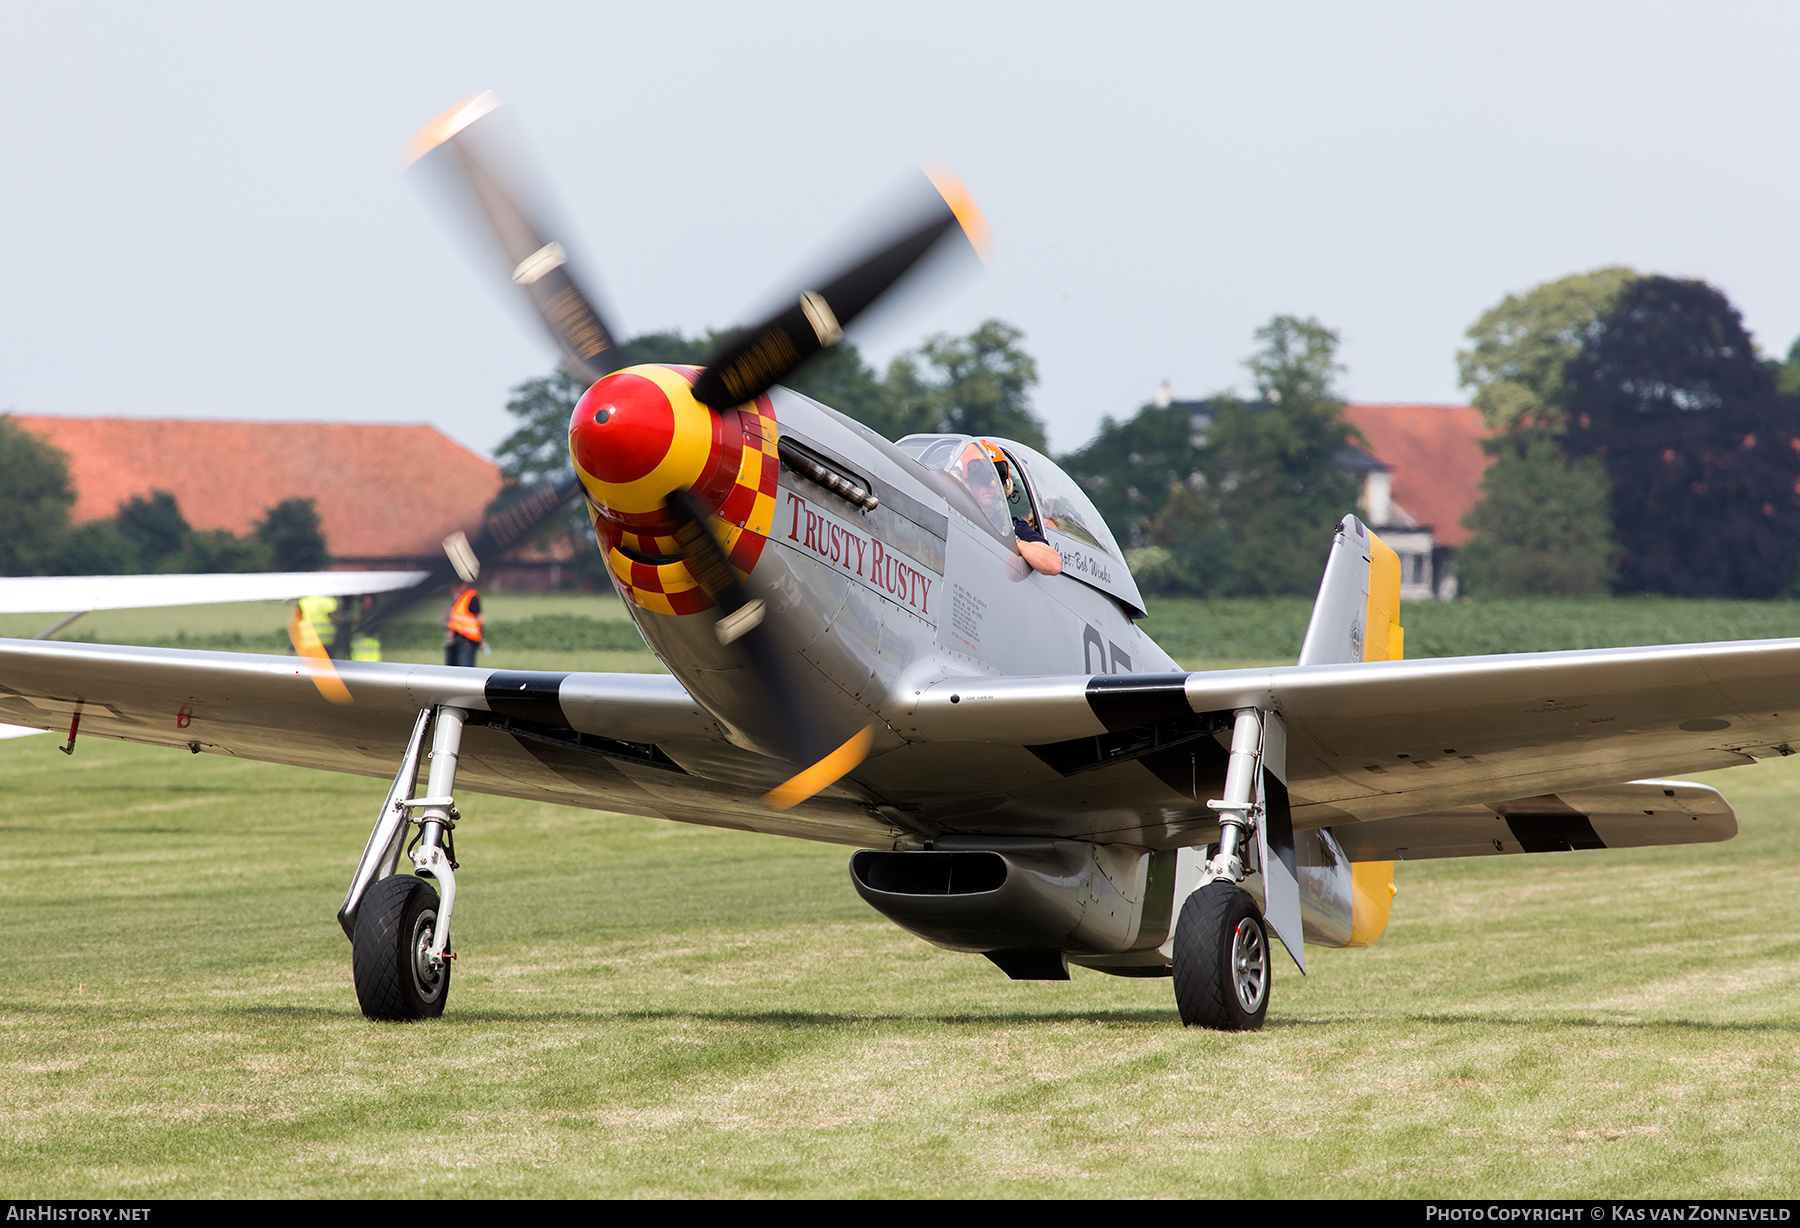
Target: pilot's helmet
[(971, 463), (1000, 464), (975, 466)]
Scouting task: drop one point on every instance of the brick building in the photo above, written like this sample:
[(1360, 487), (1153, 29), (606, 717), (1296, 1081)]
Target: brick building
[(1421, 475), (387, 495)]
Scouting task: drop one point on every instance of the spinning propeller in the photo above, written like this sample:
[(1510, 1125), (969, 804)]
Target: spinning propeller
[(641, 440)]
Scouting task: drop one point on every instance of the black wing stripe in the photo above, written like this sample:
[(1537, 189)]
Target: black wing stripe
[(1129, 701), (528, 695)]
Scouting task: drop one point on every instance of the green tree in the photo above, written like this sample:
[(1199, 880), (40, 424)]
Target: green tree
[(95, 548), (35, 498), (976, 385), (1130, 468), (1519, 349), (155, 527), (538, 451), (1787, 374), (215, 550), (672, 347), (1549, 527), (1257, 516), (839, 377), (290, 529), (1543, 524)]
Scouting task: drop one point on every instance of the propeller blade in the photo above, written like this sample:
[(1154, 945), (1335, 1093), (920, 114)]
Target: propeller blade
[(764, 355), (827, 771), (539, 264), (821, 757), (324, 674), (499, 533)]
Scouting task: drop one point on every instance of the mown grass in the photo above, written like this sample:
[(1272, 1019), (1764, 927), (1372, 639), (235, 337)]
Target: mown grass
[(646, 1008)]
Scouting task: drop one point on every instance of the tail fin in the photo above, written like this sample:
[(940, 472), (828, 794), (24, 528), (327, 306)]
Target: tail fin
[(1356, 616)]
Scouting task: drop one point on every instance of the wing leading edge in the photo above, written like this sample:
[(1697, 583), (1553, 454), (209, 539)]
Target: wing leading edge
[(632, 743), (1381, 740)]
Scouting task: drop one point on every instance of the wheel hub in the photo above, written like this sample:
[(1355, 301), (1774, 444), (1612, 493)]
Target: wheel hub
[(1249, 964), (428, 973)]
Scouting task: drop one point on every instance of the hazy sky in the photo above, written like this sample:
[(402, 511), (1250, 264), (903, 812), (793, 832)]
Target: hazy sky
[(201, 212)]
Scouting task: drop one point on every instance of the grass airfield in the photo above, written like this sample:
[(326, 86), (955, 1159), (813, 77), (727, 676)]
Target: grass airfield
[(646, 1008)]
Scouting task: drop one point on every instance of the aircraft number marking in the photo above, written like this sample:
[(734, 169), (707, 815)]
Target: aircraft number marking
[(1094, 653), (859, 554)]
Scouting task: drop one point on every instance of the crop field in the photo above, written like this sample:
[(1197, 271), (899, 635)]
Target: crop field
[(583, 631), (646, 1008)]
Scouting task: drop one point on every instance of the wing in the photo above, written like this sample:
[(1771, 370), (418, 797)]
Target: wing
[(61, 594), (1384, 739), (634, 743)]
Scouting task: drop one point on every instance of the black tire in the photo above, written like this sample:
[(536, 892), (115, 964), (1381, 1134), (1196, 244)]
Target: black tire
[(394, 924), (1223, 964)]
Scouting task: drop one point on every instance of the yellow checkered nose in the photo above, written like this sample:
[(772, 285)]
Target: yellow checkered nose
[(637, 436)]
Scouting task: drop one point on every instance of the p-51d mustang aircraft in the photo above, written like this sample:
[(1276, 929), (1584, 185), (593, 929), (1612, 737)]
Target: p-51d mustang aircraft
[(859, 653)]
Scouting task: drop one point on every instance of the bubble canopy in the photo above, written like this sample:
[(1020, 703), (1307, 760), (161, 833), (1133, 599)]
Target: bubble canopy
[(1068, 518)]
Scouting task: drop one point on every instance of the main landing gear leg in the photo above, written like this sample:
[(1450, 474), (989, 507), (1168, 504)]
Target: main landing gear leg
[(1222, 956), (399, 927)]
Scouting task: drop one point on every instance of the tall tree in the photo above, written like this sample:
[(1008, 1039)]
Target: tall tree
[(1703, 452), (976, 385), (1543, 522), (1519, 348), (1130, 468), (155, 527), (538, 451), (1257, 517), (1543, 525), (1787, 374), (290, 529), (35, 498)]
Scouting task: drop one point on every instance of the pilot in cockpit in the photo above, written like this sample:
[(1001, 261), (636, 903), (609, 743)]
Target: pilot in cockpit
[(988, 475)]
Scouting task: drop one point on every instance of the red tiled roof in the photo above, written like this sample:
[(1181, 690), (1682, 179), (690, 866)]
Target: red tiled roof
[(1435, 454), (382, 491)]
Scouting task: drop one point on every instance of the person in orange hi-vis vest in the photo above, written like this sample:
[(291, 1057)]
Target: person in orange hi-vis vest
[(463, 627)]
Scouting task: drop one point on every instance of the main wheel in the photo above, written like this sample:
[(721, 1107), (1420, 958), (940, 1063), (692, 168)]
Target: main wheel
[(394, 926), (1222, 960)]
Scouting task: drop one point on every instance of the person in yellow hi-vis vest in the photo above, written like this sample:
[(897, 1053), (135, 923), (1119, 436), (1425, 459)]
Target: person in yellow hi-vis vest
[(364, 646), (463, 627), (321, 614)]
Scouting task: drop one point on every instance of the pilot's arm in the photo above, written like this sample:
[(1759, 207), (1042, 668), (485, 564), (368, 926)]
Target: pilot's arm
[(1039, 553)]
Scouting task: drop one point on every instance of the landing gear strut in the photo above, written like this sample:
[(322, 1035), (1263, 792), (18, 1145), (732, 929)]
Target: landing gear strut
[(399, 927), (1222, 957)]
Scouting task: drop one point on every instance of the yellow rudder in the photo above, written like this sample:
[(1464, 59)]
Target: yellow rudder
[(1383, 637), (1372, 882)]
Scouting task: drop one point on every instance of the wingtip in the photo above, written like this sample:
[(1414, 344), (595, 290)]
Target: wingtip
[(968, 214), (446, 125)]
